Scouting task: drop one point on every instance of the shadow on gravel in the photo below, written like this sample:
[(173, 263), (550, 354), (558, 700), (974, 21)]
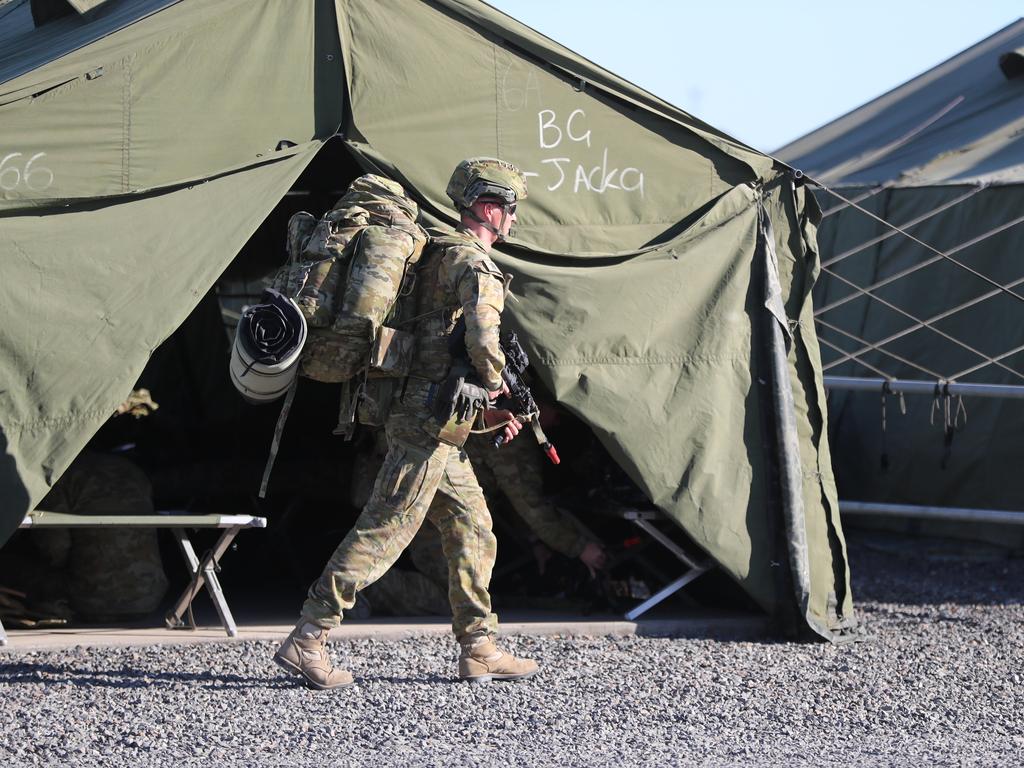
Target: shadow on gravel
[(26, 674), (891, 570), (933, 617), (403, 680)]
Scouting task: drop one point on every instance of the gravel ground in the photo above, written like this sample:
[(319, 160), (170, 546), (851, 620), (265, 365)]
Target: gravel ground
[(938, 683)]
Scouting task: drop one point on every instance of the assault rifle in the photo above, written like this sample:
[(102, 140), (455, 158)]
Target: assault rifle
[(519, 399)]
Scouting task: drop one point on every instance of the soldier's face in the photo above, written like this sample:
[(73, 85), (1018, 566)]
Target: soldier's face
[(510, 219), (501, 217)]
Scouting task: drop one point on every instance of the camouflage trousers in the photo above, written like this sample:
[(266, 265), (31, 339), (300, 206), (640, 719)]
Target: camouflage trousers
[(421, 479)]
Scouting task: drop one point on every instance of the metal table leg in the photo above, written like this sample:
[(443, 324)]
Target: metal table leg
[(671, 589), (641, 521), (204, 574), (665, 541)]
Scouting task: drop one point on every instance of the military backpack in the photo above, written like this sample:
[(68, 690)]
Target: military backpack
[(347, 272)]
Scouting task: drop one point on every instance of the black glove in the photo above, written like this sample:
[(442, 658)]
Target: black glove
[(457, 397), (471, 398)]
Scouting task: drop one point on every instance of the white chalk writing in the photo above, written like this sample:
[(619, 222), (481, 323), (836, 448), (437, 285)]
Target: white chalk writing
[(556, 161), (551, 133), (29, 174), (517, 92)]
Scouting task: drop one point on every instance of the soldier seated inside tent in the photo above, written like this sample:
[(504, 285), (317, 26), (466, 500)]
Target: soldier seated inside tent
[(90, 575)]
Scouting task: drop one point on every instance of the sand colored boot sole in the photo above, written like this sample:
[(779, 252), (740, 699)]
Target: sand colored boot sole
[(304, 652), (483, 661)]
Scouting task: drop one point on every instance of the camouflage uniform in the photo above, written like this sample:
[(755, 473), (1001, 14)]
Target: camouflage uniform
[(403, 592), (108, 574), (516, 470), (421, 590), (424, 477)]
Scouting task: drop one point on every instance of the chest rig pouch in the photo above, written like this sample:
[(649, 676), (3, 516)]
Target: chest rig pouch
[(455, 404)]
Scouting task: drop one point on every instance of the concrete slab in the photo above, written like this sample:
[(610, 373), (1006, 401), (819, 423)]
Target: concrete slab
[(718, 626)]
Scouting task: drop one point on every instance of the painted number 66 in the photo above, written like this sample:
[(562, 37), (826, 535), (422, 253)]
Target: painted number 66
[(31, 175)]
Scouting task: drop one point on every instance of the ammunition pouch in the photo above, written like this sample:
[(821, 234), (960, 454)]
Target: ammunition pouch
[(375, 401), (392, 351), (454, 404)]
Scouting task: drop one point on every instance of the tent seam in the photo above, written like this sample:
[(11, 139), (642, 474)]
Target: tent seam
[(58, 205), (126, 123), (497, 124), (61, 421)]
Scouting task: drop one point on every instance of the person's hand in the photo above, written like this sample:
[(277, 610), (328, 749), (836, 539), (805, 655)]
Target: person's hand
[(594, 557), (494, 417)]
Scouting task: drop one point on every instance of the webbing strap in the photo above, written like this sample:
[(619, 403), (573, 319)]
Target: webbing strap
[(276, 442), (347, 405)]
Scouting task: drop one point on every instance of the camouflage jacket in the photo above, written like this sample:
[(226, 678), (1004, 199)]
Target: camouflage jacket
[(458, 279)]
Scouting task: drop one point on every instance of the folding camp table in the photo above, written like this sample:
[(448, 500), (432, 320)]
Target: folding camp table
[(203, 569), (645, 520)]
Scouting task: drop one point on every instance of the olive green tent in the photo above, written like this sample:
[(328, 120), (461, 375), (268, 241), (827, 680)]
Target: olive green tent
[(663, 270), (942, 156)]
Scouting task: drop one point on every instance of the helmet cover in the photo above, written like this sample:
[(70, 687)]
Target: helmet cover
[(486, 177)]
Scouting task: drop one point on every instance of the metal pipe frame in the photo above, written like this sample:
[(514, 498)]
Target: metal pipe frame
[(953, 514), (671, 589), (644, 521), (930, 388)]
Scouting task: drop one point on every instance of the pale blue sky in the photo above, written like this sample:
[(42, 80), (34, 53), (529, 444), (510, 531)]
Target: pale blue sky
[(766, 72)]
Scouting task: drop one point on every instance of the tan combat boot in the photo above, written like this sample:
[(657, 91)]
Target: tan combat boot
[(482, 661), (305, 652)]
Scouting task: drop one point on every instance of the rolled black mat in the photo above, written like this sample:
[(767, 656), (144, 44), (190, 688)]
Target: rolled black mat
[(272, 330)]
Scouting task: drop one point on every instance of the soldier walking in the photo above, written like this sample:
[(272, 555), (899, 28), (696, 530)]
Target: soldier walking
[(425, 462)]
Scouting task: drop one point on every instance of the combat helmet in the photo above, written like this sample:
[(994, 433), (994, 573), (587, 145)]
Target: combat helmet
[(479, 177)]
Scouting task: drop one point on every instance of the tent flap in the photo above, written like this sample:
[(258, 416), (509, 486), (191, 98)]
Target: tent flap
[(139, 109), (75, 340), (668, 377)]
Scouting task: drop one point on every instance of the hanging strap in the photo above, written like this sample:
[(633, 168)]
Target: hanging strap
[(276, 442), (942, 403), (884, 459), (347, 405)]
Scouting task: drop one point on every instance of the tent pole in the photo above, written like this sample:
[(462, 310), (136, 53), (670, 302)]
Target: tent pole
[(787, 442), (954, 514), (916, 387)]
